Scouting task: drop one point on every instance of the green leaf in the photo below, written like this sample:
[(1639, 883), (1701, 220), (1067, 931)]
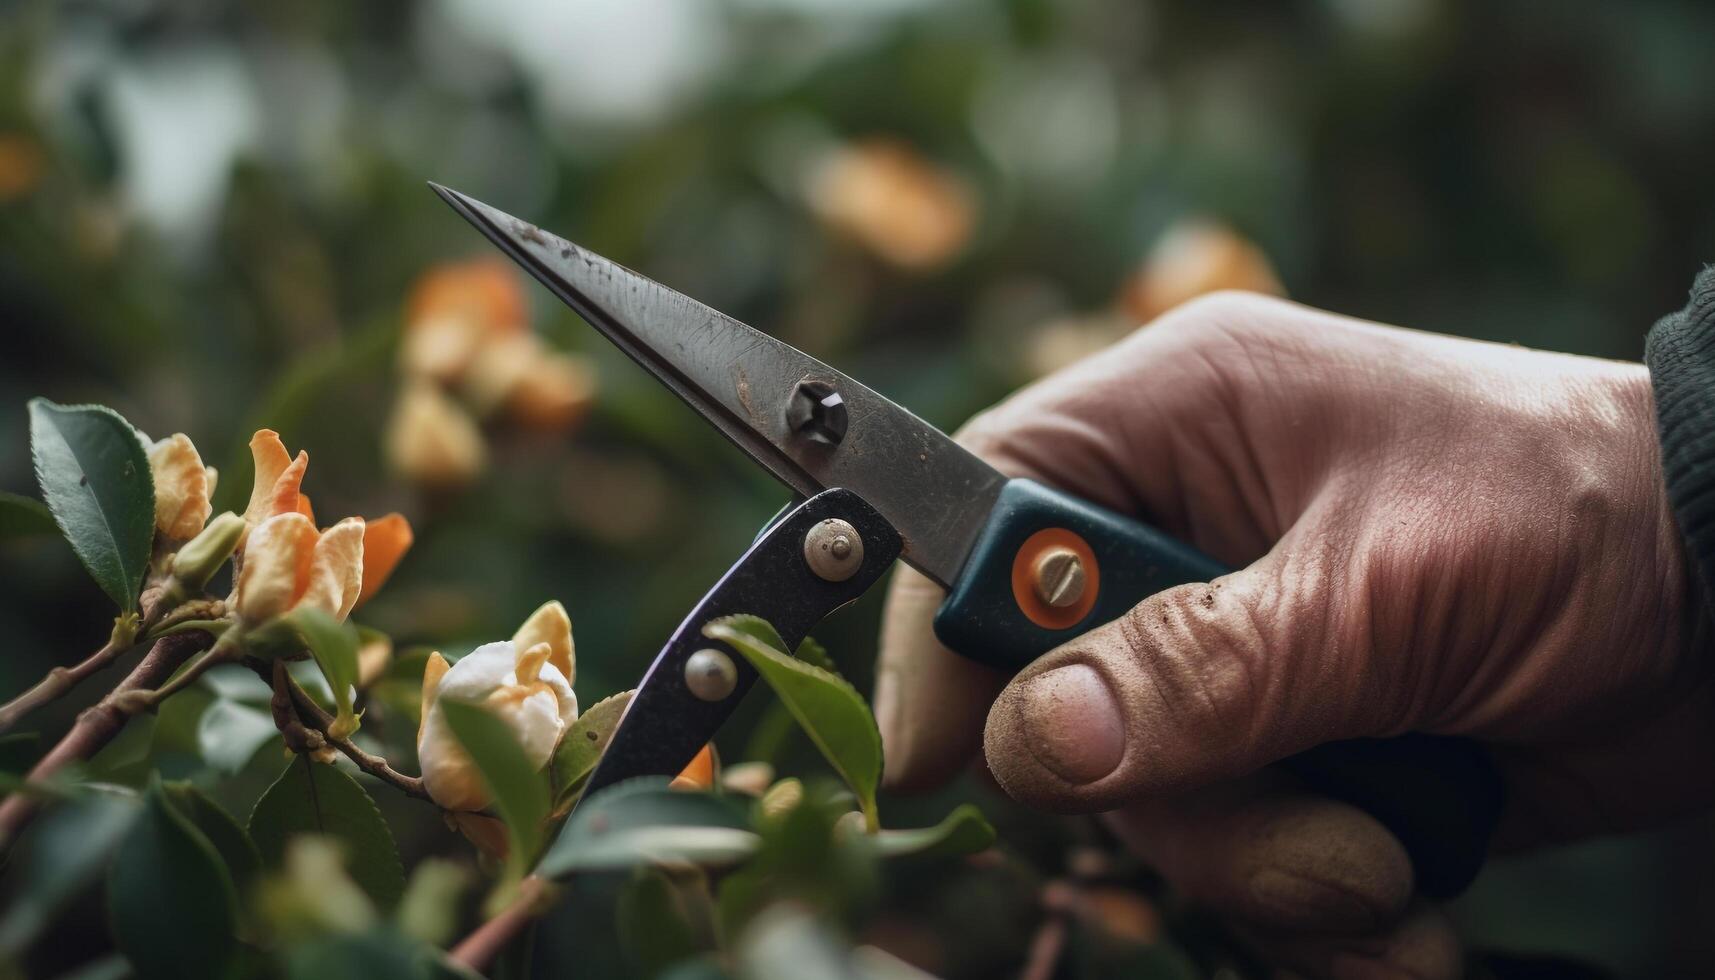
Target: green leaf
[(172, 904), (24, 517), (812, 652), (582, 745), (519, 789), (828, 708), (333, 644), (964, 831), (63, 853), (641, 821), (653, 927), (430, 909), (377, 955), (230, 733), (311, 798), (229, 840), (94, 474)]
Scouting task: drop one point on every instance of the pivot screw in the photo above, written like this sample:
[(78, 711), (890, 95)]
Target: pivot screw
[(1059, 577), (834, 550), (710, 674), (817, 412)]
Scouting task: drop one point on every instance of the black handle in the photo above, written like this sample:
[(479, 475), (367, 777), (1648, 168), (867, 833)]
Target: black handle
[(1440, 796), (667, 722)]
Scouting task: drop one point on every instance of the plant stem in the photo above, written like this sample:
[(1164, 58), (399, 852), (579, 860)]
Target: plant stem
[(479, 949), (97, 726), (128, 632), (60, 681), (223, 651), (305, 725)]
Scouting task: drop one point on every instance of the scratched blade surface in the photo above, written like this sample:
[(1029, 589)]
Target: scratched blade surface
[(933, 491)]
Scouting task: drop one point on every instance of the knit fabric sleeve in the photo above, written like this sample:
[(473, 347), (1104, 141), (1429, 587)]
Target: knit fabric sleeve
[(1680, 353)]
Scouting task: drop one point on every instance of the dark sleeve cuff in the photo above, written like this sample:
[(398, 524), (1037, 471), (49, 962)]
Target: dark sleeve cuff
[(1680, 353)]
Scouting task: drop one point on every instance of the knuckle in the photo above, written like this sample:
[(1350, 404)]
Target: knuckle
[(1226, 315), (1195, 677)]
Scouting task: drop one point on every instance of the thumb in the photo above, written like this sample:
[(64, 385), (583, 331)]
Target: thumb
[(1196, 684)]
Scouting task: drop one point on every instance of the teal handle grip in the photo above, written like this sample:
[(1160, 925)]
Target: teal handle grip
[(1440, 796)]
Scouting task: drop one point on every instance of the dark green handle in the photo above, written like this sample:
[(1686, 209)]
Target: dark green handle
[(1440, 796)]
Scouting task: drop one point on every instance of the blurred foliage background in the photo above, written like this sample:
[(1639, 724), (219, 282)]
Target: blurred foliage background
[(212, 216)]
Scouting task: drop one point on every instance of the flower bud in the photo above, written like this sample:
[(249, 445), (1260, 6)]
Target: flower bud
[(782, 798), (522, 688), (890, 199), (550, 624), (182, 488), (554, 394), (431, 440), (199, 559)]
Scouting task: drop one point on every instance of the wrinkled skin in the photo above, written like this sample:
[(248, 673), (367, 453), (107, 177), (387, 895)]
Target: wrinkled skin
[(1432, 534)]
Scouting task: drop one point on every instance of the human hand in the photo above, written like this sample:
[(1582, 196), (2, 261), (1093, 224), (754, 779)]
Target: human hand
[(1432, 535)]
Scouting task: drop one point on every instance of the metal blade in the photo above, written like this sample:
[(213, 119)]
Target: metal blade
[(743, 381)]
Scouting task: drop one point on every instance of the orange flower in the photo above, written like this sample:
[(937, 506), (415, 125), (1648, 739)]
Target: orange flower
[(278, 477), (182, 488), (1193, 257), (21, 166), (900, 206), (385, 541), (700, 773), (431, 440), (454, 309), (287, 562), (533, 385)]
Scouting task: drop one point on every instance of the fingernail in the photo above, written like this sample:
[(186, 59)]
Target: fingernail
[(1074, 725), (1295, 898)]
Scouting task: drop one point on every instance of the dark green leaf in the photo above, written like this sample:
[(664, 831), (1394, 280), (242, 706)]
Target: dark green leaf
[(230, 840), (62, 853), (94, 474), (643, 822), (805, 858), (229, 734), (376, 955), (311, 798), (173, 906), (829, 709), (429, 911), (964, 831), (333, 644), (581, 747), (653, 927), (24, 517), (519, 789)]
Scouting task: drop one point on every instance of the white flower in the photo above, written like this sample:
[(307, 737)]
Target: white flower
[(524, 689)]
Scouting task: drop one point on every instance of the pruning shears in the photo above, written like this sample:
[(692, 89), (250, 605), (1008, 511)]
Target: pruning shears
[(1026, 567)]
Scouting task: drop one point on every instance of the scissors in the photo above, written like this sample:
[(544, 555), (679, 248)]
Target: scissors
[(1026, 567)]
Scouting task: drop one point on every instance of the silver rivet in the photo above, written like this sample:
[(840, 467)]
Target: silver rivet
[(710, 674), (833, 550), (1059, 577)]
